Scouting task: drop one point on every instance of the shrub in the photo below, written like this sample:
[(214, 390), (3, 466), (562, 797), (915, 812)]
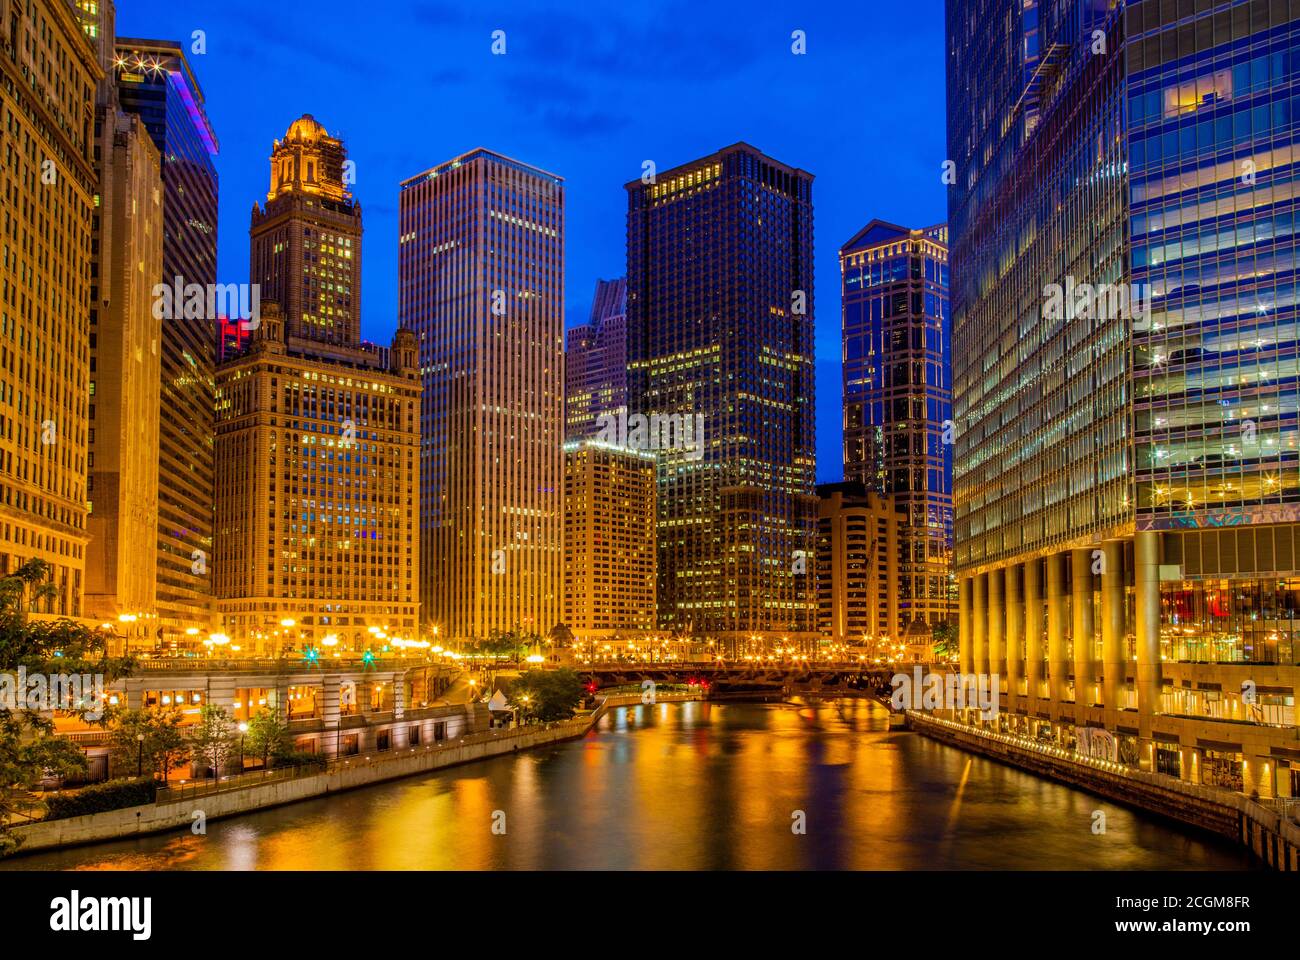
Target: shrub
[(300, 758), (101, 797)]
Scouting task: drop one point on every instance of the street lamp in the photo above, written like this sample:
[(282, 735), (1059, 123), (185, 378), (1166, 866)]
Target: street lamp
[(139, 758), (243, 729)]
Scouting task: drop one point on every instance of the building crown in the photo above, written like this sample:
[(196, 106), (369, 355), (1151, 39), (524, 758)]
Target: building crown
[(308, 160)]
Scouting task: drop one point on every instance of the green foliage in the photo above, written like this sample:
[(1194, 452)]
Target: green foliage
[(100, 797), (214, 739), (29, 749), (301, 758), (163, 748), (268, 738), (551, 694), (945, 639)]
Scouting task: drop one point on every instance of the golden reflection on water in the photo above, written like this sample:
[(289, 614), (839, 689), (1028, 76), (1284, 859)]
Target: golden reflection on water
[(697, 785)]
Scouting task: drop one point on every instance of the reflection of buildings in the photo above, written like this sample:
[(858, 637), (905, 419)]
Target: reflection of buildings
[(1126, 481), (317, 436), (481, 272), (595, 363), (156, 83), (720, 323), (898, 400), (858, 546), (609, 540)]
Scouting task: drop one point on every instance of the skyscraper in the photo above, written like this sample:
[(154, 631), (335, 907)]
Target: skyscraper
[(306, 243), (317, 435), (609, 540), (155, 81), (720, 329), (49, 183), (595, 363), (1125, 344), (858, 541), (481, 272), (898, 400)]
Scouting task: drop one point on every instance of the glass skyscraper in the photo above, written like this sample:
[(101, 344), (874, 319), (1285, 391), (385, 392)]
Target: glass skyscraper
[(897, 368), (595, 363), (1125, 375), (720, 339), (155, 81)]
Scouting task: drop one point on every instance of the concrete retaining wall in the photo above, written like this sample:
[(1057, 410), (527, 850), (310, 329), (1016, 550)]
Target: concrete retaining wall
[(343, 775)]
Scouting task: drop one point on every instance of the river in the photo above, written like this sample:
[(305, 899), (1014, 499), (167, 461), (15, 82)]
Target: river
[(738, 785)]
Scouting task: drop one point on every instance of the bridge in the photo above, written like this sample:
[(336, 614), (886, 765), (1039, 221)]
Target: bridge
[(744, 677)]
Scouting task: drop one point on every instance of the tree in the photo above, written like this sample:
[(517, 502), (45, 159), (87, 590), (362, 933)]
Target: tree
[(268, 736), (551, 694), (945, 640), (163, 747), (213, 738), (29, 749)]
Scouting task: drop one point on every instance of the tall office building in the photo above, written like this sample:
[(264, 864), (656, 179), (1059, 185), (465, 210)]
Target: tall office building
[(317, 437), (306, 243), (155, 82), (122, 489), (720, 333), (481, 273), (1126, 484), (897, 366), (609, 540), (859, 538), (49, 184), (595, 363)]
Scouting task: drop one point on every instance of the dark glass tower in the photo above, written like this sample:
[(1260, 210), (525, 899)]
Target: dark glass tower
[(155, 82), (595, 363), (1127, 494), (720, 327), (897, 365)]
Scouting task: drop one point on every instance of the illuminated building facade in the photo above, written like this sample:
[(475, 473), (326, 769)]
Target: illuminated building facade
[(154, 81), (49, 72), (609, 540), (481, 284), (595, 363), (317, 542), (306, 242), (897, 367), (1126, 481), (720, 333), (859, 540), (122, 488)]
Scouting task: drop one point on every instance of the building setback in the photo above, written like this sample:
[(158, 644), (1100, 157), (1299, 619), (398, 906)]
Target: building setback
[(595, 364), (609, 540), (317, 438), (720, 338), (1126, 486), (897, 366), (481, 274), (155, 81), (48, 179)]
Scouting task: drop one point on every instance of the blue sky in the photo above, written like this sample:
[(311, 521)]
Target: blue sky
[(587, 90)]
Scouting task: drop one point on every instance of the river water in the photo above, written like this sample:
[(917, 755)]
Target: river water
[(747, 786)]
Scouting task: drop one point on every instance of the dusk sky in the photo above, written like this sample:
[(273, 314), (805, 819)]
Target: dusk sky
[(588, 91)]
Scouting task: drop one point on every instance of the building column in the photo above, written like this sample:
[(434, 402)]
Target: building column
[(965, 640), (1058, 664), (1033, 631), (1084, 629), (330, 732), (1113, 666), (997, 614), (979, 627), (1015, 645), (1146, 581)]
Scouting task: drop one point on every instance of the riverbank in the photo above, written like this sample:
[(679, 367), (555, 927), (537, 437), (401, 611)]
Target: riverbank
[(182, 808), (1271, 837)]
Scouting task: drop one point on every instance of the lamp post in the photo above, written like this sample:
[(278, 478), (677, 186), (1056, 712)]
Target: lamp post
[(139, 757), (243, 729)]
